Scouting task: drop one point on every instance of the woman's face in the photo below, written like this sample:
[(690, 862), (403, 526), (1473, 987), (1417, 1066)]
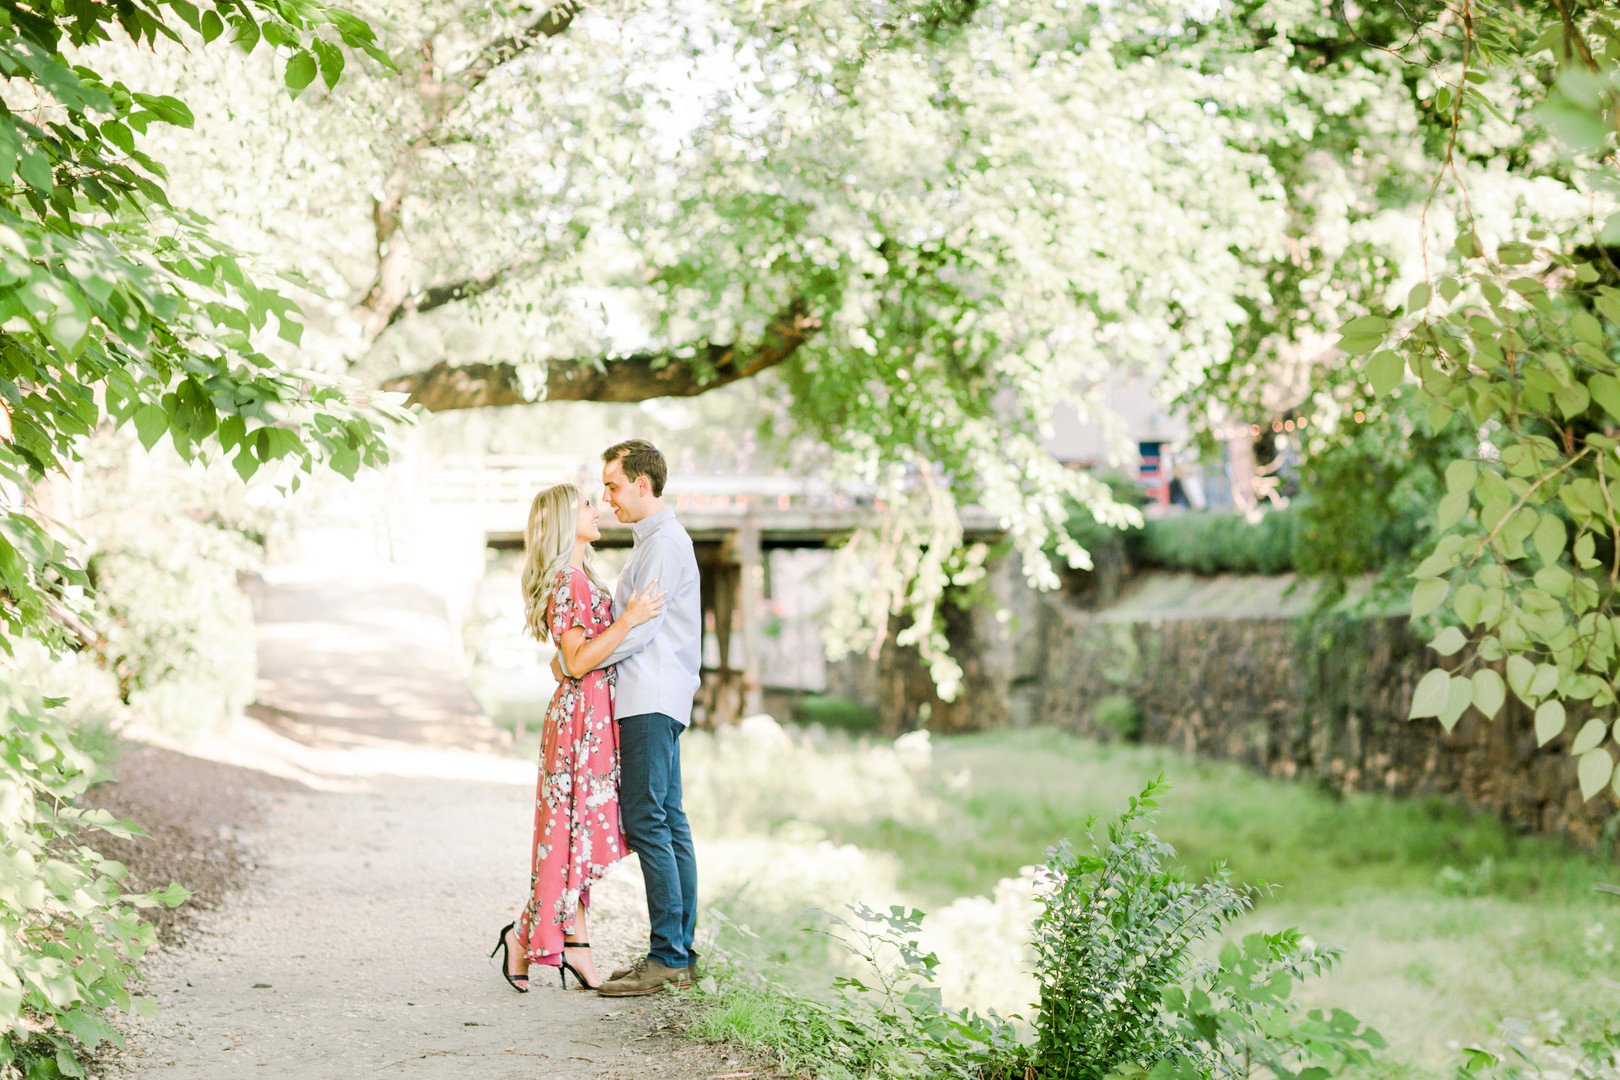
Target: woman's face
[(586, 528)]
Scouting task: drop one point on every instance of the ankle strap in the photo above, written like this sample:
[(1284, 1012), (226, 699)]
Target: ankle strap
[(576, 944)]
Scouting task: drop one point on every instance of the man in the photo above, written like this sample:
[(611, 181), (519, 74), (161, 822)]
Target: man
[(657, 680)]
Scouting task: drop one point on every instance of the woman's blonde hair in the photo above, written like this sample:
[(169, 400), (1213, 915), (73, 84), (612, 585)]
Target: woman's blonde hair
[(548, 543)]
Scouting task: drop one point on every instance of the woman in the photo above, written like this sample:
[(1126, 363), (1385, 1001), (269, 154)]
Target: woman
[(577, 836)]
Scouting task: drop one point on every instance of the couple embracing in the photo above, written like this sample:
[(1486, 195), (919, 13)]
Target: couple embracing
[(610, 757)]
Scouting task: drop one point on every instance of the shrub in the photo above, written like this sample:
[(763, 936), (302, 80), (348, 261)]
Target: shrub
[(1126, 988), (1219, 543), (165, 545), (1125, 991), (835, 713), (1117, 713), (69, 938)]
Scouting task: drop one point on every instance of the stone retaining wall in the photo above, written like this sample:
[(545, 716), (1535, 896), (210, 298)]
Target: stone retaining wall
[(1324, 701)]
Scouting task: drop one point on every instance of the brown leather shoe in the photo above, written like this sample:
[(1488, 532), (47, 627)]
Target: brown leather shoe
[(691, 972), (646, 976)]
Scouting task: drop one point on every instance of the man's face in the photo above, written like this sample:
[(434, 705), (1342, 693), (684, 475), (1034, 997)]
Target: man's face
[(629, 500)]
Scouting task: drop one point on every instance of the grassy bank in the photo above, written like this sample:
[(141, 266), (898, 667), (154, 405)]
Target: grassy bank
[(1450, 922)]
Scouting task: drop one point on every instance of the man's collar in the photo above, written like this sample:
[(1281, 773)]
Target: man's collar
[(651, 523)]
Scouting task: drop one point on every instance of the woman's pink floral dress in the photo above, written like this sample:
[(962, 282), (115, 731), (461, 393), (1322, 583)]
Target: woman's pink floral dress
[(577, 835)]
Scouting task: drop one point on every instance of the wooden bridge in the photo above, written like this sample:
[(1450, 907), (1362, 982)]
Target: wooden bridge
[(734, 520)]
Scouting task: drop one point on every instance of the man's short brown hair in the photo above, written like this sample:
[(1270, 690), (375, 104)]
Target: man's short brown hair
[(638, 457)]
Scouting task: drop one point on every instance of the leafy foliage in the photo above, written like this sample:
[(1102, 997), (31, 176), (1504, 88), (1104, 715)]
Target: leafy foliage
[(1513, 342), (164, 546), (1124, 991), (885, 1022), (1522, 1056), (69, 938), (1219, 543), (121, 307), (1368, 499), (878, 182)]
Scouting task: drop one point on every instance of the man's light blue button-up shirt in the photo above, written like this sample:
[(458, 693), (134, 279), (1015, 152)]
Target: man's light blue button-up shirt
[(659, 660)]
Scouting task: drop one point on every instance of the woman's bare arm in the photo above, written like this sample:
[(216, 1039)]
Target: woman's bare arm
[(582, 656)]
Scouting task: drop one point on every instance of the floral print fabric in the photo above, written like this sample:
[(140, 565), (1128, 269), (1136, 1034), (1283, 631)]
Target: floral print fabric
[(577, 833)]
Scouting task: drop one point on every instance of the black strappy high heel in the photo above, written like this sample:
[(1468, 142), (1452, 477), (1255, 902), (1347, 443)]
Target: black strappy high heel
[(520, 983), (567, 968)]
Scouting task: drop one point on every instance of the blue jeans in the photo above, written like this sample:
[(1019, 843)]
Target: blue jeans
[(655, 825)]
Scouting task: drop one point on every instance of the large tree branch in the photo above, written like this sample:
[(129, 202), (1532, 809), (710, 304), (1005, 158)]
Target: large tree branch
[(446, 386)]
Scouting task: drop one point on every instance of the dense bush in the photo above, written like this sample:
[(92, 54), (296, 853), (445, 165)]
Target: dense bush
[(1219, 543), (1118, 713), (835, 713), (1131, 985), (164, 543), (178, 631), (1124, 990), (1370, 492), (69, 938)]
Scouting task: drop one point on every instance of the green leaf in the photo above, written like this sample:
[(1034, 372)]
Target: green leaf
[(1439, 416), (1606, 392), (1590, 735), (1449, 642), (1384, 371), (1549, 538), (1520, 673), (331, 60), (1587, 328), (150, 424), (1453, 508), (1458, 697), (1572, 400), (1469, 603), (1549, 721), (1461, 475), (301, 71), (1428, 595), (1430, 695), (1359, 344), (1585, 548), (1594, 771), (1489, 692)]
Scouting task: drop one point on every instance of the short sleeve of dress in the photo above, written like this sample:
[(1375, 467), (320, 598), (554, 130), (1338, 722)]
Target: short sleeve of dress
[(570, 602)]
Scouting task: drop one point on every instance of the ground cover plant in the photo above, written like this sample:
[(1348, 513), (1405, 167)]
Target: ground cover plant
[(1449, 923)]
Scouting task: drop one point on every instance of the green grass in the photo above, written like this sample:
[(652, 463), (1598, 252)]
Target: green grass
[(1450, 922)]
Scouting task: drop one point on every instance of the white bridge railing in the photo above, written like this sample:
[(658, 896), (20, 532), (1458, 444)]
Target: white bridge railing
[(511, 481)]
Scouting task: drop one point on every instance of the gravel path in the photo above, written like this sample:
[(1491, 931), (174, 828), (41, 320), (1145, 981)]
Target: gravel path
[(385, 855)]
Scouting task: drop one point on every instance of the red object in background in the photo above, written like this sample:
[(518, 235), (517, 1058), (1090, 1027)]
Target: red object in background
[(1151, 473)]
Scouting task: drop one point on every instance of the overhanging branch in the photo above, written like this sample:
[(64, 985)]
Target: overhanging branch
[(639, 377)]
